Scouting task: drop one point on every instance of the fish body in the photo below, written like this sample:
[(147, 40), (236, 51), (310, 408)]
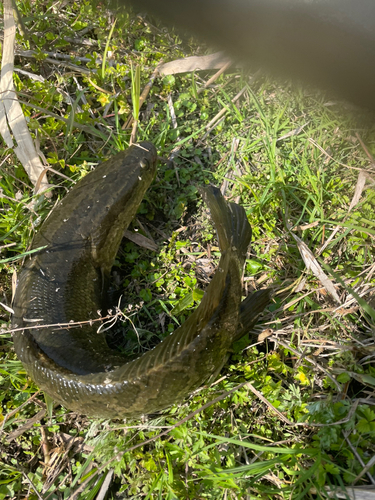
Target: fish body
[(67, 281)]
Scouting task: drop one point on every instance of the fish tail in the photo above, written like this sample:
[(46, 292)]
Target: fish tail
[(230, 220)]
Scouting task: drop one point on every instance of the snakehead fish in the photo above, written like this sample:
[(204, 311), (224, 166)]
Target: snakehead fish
[(67, 281)]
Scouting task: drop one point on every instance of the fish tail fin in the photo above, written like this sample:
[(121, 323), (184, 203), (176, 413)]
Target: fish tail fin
[(230, 220)]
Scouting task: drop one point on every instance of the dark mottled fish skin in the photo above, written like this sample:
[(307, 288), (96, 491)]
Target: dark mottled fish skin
[(67, 281)]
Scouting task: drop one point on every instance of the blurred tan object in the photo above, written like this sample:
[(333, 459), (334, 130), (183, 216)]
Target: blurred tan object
[(327, 43)]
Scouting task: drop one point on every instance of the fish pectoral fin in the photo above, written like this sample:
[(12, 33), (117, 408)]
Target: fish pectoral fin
[(211, 379), (250, 309), (105, 275)]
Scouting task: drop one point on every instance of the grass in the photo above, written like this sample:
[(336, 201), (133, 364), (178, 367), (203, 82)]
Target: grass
[(316, 369)]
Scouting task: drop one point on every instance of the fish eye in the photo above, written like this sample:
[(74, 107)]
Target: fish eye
[(144, 163)]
